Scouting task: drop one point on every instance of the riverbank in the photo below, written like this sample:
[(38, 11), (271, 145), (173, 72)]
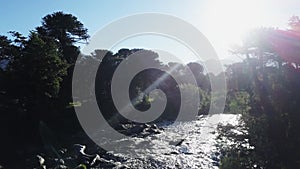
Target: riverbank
[(190, 144)]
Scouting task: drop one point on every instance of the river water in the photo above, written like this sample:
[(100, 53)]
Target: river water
[(197, 150)]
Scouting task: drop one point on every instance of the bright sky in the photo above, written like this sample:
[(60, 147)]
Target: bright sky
[(222, 21)]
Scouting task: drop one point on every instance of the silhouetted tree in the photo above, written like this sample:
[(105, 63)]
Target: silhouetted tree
[(270, 75)]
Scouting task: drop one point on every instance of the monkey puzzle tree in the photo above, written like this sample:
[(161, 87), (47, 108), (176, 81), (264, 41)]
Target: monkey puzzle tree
[(66, 30)]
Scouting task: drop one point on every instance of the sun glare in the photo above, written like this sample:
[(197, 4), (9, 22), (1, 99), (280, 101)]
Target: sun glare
[(227, 21)]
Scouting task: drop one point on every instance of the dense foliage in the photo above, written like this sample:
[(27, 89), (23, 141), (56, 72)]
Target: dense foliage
[(264, 89)]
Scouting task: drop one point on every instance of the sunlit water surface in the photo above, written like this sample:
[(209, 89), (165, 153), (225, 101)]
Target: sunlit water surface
[(198, 150)]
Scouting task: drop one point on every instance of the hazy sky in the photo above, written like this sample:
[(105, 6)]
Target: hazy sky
[(222, 21)]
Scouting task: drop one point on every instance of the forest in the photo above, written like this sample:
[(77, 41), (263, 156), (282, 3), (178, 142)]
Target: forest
[(37, 105)]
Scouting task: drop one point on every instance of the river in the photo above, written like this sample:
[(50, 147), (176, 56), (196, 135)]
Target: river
[(197, 150)]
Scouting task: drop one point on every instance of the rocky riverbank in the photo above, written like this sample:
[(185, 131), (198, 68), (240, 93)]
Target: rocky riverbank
[(179, 145)]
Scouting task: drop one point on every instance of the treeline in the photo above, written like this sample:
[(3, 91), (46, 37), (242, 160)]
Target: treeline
[(36, 84), (35, 81), (265, 89)]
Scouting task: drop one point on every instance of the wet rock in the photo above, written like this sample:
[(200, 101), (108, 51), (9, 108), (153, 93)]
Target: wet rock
[(112, 157), (140, 130), (187, 150), (177, 143), (119, 165), (152, 130), (41, 162), (124, 167), (105, 163), (84, 158), (79, 149), (89, 160)]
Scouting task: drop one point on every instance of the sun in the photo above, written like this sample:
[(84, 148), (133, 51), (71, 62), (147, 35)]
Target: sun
[(227, 21)]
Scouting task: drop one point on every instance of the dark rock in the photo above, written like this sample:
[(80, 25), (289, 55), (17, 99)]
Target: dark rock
[(215, 158), (140, 130), (137, 129), (180, 142), (176, 143), (217, 153), (215, 163), (174, 152)]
